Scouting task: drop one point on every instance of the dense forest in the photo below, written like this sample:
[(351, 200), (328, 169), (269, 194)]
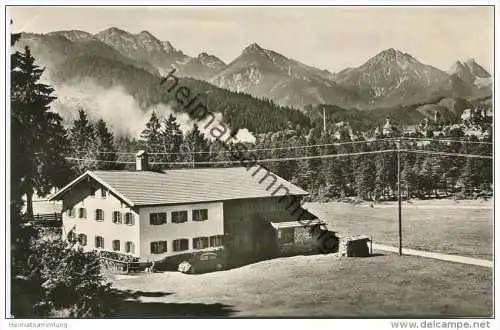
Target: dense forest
[(425, 173)]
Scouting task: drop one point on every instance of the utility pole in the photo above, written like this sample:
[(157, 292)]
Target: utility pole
[(400, 229), (324, 120), (194, 148)]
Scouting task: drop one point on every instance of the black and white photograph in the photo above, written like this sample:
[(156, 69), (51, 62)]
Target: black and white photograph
[(286, 161)]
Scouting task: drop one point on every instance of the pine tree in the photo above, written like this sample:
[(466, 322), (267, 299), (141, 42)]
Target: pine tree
[(196, 147), (430, 174), (39, 144), (408, 177), (380, 176), (152, 139), (152, 133), (171, 140), (467, 177), (83, 143), (105, 148), (365, 177)]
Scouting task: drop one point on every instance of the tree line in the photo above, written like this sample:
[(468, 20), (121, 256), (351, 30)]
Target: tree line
[(370, 176)]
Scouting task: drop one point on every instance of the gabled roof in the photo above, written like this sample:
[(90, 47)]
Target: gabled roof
[(138, 188)]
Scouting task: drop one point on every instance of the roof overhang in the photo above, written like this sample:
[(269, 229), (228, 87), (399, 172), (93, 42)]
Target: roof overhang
[(59, 195), (296, 224)]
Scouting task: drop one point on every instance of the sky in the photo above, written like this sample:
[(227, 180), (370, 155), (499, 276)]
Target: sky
[(332, 38)]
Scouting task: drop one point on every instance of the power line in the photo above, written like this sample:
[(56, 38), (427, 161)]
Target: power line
[(294, 147), (447, 140), (253, 149), (447, 154), (271, 160), (99, 160), (268, 160)]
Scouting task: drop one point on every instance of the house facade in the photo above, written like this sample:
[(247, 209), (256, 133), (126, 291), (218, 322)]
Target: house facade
[(153, 216)]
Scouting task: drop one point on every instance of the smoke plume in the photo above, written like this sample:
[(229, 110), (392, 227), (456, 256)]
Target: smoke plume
[(121, 112)]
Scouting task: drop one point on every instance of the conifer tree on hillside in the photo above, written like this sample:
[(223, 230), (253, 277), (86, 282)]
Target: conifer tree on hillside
[(196, 147), (151, 135), (152, 139), (171, 140), (83, 143), (105, 148), (39, 144)]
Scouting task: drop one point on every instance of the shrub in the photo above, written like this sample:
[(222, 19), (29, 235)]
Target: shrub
[(65, 281)]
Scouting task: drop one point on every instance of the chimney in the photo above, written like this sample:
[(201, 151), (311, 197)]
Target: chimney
[(141, 161)]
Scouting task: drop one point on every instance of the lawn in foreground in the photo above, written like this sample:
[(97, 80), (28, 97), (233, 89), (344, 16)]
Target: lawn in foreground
[(315, 286), (444, 226)]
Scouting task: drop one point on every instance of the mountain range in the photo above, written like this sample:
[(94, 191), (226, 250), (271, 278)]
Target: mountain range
[(390, 78)]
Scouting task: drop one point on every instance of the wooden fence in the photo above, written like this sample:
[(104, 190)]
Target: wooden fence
[(45, 220), (124, 266)]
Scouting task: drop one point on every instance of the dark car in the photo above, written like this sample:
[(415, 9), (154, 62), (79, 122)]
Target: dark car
[(204, 262)]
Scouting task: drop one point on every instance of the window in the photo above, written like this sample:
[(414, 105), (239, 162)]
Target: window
[(156, 219), (200, 215), (82, 239), (208, 256), (216, 240), (99, 215), (200, 243), (129, 218), (117, 217), (99, 242), (72, 236), (82, 213), (179, 216), (129, 247), (103, 193), (287, 235), (92, 192), (180, 244), (116, 245), (72, 212), (158, 247)]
